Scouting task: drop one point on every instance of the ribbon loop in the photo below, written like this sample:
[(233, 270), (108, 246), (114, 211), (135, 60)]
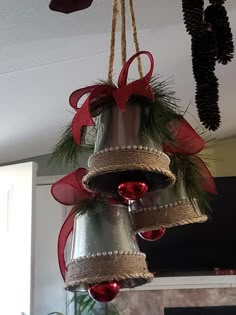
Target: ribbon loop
[(69, 189), (122, 81), (78, 94), (187, 140)]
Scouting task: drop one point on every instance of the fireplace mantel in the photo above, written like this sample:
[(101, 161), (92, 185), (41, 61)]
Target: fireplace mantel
[(193, 282)]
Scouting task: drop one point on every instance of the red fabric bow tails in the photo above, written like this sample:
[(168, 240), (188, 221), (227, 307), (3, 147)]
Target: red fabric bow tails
[(68, 191), (120, 94), (64, 234), (188, 142)]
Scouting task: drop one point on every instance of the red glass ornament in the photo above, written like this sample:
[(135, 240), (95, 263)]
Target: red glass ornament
[(104, 292), (154, 235), (132, 190)]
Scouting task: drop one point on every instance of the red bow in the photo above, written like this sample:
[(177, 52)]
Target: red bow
[(188, 142), (68, 191), (121, 95)]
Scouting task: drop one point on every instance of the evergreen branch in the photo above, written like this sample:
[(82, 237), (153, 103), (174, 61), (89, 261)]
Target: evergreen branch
[(92, 206), (157, 114), (190, 174), (66, 151)]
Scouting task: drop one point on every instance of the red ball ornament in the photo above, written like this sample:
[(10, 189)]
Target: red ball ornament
[(104, 292), (132, 190), (154, 235)]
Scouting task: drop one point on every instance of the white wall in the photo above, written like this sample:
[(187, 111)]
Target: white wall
[(49, 295)]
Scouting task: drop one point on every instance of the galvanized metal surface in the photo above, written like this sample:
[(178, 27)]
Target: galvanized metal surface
[(108, 230), (161, 198), (117, 128)]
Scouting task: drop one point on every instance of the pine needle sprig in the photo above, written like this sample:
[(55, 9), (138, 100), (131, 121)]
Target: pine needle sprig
[(66, 151), (156, 115), (189, 172), (92, 206)]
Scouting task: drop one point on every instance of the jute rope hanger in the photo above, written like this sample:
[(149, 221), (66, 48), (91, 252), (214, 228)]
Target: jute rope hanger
[(123, 35)]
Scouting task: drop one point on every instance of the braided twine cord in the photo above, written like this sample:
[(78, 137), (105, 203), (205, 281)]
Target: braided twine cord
[(107, 268), (123, 36), (168, 217), (129, 160)]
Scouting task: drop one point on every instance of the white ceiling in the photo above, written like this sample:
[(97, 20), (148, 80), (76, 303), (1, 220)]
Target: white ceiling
[(45, 55)]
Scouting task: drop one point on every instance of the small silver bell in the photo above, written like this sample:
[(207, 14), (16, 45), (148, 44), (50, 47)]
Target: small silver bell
[(166, 208)]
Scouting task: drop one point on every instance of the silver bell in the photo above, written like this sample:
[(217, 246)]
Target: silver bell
[(104, 248), (166, 208), (123, 155)]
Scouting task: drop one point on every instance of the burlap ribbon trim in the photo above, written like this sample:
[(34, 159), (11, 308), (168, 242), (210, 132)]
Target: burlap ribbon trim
[(122, 160), (107, 268), (169, 217)]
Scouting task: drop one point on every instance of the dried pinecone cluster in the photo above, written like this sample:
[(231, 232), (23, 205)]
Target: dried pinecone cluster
[(212, 41)]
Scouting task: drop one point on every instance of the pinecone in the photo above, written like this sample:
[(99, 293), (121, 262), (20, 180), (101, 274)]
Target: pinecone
[(203, 53), (193, 13), (216, 15), (207, 96)]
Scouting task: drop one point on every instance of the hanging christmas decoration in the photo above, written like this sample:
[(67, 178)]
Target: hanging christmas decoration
[(140, 141), (186, 202), (104, 248), (212, 41), (69, 6)]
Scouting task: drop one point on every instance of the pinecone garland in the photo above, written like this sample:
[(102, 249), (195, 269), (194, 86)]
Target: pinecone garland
[(193, 13), (217, 16), (212, 41), (203, 61)]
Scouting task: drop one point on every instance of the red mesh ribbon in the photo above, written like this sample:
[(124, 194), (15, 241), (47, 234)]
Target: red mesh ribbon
[(68, 191), (64, 233), (207, 181), (120, 94), (188, 142)]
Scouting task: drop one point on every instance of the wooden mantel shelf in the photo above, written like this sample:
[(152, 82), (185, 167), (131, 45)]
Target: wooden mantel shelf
[(194, 282)]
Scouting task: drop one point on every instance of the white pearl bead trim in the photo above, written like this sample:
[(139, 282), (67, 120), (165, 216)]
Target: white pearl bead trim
[(110, 253), (165, 206), (130, 147)]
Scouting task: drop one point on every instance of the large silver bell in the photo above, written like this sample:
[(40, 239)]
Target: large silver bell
[(104, 248), (166, 208), (122, 154)]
